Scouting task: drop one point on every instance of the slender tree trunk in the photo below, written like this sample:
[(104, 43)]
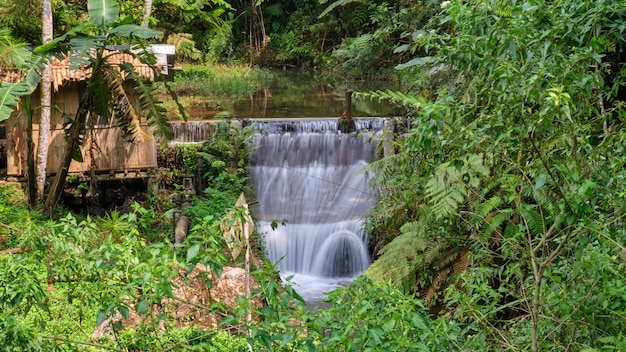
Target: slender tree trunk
[(147, 9), (46, 101), (72, 145), (30, 155)]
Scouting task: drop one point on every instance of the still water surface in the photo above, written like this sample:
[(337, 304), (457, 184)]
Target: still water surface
[(302, 95)]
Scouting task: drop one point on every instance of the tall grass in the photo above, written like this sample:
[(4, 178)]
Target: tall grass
[(213, 87), (219, 81)]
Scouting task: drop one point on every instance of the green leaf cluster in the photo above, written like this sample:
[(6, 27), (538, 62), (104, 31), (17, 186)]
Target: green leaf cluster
[(513, 158)]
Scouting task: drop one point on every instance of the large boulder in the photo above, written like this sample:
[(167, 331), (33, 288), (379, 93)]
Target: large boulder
[(193, 295)]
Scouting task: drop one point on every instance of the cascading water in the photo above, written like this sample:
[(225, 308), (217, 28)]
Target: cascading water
[(308, 174), (191, 132)]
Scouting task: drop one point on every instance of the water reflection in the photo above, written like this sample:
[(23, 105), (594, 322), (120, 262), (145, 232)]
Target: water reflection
[(304, 96)]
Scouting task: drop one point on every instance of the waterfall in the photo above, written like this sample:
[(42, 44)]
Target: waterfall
[(309, 175), (190, 132)]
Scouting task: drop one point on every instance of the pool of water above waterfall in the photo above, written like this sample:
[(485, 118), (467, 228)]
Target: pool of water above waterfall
[(299, 95)]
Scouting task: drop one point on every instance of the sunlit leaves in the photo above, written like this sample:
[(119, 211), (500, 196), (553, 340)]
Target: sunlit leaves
[(131, 30), (103, 12), (10, 97)]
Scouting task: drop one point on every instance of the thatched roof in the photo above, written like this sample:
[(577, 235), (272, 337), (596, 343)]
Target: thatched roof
[(10, 75), (62, 74)]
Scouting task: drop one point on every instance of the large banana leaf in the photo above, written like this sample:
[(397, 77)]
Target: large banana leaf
[(103, 12), (82, 48), (133, 30), (32, 75), (10, 94), (53, 44)]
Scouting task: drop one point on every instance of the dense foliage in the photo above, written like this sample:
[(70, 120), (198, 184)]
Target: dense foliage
[(354, 38), (506, 199), (500, 223)]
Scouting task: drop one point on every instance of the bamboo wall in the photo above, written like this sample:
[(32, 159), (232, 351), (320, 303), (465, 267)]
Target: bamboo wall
[(104, 147)]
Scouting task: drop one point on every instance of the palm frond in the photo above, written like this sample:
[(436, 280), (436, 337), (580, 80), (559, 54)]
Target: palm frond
[(128, 118), (150, 106), (12, 53)]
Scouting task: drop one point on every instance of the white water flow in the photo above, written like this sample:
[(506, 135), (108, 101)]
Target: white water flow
[(308, 174), (191, 132)]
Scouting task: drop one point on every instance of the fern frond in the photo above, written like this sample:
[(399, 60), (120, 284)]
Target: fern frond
[(461, 264), (533, 219), (477, 165), (359, 16), (450, 184), (412, 101), (429, 294), (395, 262), (445, 190), (493, 222), (452, 263), (543, 200), (433, 252), (448, 258), (208, 158), (275, 10), (383, 169), (488, 206)]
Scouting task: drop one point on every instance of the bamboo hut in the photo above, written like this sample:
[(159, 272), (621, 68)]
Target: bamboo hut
[(104, 149)]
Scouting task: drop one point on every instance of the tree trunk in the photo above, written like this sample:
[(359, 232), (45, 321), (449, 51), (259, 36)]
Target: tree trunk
[(72, 145), (147, 9), (46, 101), (30, 156)]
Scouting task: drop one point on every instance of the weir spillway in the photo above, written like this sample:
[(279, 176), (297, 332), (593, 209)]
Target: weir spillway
[(309, 180)]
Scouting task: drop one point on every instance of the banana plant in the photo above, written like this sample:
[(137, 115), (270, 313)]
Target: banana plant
[(14, 55), (106, 90)]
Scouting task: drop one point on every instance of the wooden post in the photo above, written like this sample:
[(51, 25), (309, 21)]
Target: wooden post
[(346, 123), (388, 136), (348, 109)]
